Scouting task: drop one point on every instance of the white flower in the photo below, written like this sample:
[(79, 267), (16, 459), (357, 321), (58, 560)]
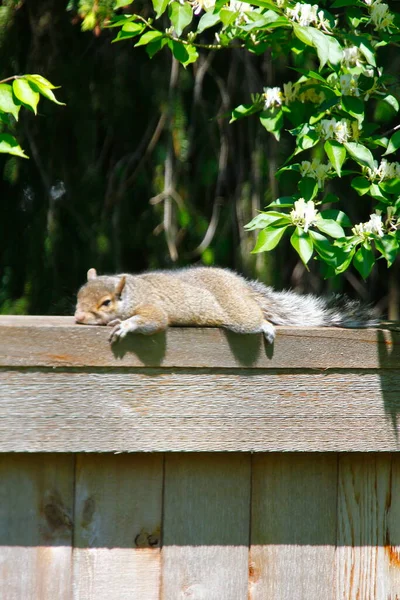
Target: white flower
[(343, 131), (289, 92), (316, 170), (380, 15), (373, 226), (273, 97), (237, 6), (304, 214), (348, 85), (327, 128), (305, 14), (386, 170), (352, 56), (199, 5), (338, 130)]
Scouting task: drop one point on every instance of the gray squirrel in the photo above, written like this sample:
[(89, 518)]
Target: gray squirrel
[(206, 297)]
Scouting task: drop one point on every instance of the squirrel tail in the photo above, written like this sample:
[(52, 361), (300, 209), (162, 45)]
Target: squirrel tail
[(290, 308)]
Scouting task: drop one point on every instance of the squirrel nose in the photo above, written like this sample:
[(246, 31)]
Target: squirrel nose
[(79, 316)]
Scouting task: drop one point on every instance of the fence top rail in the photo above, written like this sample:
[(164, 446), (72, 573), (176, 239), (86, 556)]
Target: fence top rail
[(50, 341)]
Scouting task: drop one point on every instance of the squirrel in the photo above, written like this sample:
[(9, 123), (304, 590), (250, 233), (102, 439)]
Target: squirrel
[(206, 297)]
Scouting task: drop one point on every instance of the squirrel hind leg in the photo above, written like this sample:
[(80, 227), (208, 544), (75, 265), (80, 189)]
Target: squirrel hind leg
[(269, 331)]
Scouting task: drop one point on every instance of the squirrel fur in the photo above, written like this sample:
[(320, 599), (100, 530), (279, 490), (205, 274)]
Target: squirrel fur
[(206, 297)]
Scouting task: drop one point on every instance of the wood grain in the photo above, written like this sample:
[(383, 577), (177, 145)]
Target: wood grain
[(293, 527), (160, 410), (36, 513), (58, 342), (206, 527), (368, 564), (118, 527)]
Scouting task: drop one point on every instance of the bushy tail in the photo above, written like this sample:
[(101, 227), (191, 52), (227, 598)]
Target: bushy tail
[(289, 308)]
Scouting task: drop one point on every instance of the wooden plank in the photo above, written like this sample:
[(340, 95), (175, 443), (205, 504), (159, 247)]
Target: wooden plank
[(155, 410), (36, 512), (118, 527), (200, 434), (157, 393), (368, 565), (206, 527), (57, 341), (293, 527)]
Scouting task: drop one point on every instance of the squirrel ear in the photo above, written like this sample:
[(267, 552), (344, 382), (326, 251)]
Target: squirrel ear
[(120, 285), (91, 274)]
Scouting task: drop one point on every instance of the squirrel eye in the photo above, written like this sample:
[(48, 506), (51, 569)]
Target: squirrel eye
[(106, 302)]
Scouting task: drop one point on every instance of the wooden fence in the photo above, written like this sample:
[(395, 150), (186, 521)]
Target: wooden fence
[(198, 464)]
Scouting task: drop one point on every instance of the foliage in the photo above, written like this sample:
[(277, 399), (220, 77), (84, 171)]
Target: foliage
[(16, 92), (328, 108)]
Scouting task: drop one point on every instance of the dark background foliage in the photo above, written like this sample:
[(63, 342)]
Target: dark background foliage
[(141, 169)]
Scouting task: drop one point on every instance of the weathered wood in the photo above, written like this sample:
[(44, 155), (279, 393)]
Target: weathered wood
[(36, 513), (293, 527), (206, 527), (156, 410), (368, 565), (58, 342), (118, 527)]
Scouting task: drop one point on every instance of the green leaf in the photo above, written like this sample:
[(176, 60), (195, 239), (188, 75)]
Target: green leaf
[(308, 188), (272, 120), (388, 246), (41, 81), (391, 186), (208, 20), (324, 248), (364, 260), (129, 30), (303, 244), (266, 219), (330, 227), (360, 154), (244, 110), (181, 15), (392, 101), (149, 36), (9, 145), (354, 106), (336, 153), (43, 87), (160, 7), (328, 48), (121, 3), (338, 216), (153, 47), (269, 238), (283, 202), (394, 143), (330, 198), (24, 93), (343, 259), (227, 16), (178, 50), (361, 185), (340, 3), (7, 104), (193, 55), (311, 74)]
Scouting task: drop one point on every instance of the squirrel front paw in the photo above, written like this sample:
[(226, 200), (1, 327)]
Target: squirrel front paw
[(121, 328)]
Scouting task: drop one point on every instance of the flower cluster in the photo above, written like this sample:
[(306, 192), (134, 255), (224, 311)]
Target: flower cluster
[(341, 131), (274, 97), (199, 5), (304, 214), (372, 227), (308, 14), (380, 15), (352, 57), (385, 170), (316, 170)]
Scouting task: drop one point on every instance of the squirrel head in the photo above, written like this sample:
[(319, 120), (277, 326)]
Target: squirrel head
[(99, 298)]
